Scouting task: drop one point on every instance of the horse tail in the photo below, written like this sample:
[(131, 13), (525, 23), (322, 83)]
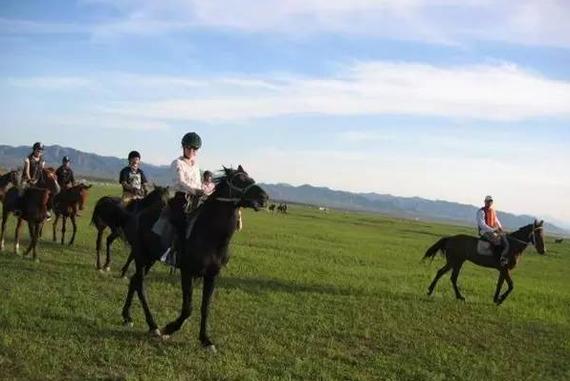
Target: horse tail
[(435, 248)]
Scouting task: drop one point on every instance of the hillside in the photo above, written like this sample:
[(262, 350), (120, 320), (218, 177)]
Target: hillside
[(106, 167)]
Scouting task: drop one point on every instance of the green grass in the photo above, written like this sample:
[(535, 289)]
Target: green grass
[(308, 296)]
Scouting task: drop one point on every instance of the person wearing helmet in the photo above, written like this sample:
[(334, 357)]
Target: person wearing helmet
[(187, 186), (490, 228), (33, 165), (64, 174), (132, 179)]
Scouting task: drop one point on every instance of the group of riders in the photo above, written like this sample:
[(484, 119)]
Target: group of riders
[(191, 187)]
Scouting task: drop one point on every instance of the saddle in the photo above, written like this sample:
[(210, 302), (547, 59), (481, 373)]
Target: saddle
[(487, 249)]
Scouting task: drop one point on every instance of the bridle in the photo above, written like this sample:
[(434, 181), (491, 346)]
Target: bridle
[(531, 237), (241, 191)]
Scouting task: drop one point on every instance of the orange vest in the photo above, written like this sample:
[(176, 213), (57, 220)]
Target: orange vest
[(490, 217)]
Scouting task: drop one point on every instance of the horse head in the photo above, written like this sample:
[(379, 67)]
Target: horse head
[(48, 180), (537, 237), (83, 189), (236, 184)]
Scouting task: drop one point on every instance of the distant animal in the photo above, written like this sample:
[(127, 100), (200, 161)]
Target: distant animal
[(460, 248), (66, 205), (559, 240), (110, 212), (203, 252), (272, 208), (6, 180), (282, 208), (31, 207), (323, 209)]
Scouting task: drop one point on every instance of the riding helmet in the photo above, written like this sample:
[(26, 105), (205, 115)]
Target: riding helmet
[(37, 146), (134, 154), (192, 139)]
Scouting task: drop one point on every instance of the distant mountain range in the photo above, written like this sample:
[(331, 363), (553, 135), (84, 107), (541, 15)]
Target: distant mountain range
[(83, 163), (106, 167)]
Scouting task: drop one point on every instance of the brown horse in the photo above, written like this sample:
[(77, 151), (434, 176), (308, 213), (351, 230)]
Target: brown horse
[(460, 248), (66, 205), (7, 179), (31, 207)]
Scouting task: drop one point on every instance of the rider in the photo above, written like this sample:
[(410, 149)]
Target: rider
[(490, 228), (64, 174), (132, 179), (187, 186), (33, 165)]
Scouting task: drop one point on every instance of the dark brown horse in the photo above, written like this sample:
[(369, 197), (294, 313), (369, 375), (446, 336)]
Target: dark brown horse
[(6, 180), (460, 248), (66, 205), (110, 212), (31, 207), (203, 252)]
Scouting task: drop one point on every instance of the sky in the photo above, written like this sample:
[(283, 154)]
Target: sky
[(443, 99)]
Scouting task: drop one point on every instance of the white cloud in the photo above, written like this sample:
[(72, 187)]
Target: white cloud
[(530, 22), (487, 92)]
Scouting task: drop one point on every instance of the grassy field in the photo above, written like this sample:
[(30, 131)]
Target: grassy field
[(308, 296)]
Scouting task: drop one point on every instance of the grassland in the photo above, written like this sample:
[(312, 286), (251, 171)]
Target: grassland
[(308, 296)]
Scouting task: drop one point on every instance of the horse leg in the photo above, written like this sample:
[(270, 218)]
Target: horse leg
[(37, 230), (208, 290), (31, 229), (127, 319), (74, 225), (114, 234), (98, 246), (63, 223), (500, 282), (454, 276), (127, 264), (509, 289), (439, 274), (54, 238), (17, 236), (139, 286), (186, 311), (4, 220)]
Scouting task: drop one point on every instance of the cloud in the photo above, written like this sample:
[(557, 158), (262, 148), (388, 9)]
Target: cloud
[(502, 92), (528, 22)]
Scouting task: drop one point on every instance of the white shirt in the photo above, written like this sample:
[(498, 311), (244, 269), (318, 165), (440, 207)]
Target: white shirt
[(483, 227), (185, 176)]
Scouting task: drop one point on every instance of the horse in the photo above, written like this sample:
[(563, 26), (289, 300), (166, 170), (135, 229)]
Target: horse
[(460, 248), (282, 208), (66, 205), (110, 212), (203, 251), (9, 178), (559, 240), (272, 208), (32, 207)]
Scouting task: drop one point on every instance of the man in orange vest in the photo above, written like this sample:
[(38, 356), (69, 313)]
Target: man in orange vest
[(490, 227)]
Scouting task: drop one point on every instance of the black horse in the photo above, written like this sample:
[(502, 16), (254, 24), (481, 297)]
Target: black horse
[(203, 253), (460, 248), (110, 212)]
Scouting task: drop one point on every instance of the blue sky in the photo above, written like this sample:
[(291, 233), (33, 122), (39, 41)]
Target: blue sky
[(444, 99)]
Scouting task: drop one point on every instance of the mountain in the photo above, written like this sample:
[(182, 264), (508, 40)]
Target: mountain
[(84, 164), (407, 207), (106, 167)]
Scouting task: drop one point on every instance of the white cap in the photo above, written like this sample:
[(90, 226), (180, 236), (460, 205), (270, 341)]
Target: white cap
[(488, 198)]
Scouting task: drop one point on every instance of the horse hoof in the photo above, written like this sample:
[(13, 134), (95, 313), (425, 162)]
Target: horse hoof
[(155, 332), (100, 270), (164, 337), (128, 324), (36, 260), (211, 348), (107, 269)]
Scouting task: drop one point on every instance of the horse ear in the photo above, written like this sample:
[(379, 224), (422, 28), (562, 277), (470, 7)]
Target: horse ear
[(240, 168), (541, 223)]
